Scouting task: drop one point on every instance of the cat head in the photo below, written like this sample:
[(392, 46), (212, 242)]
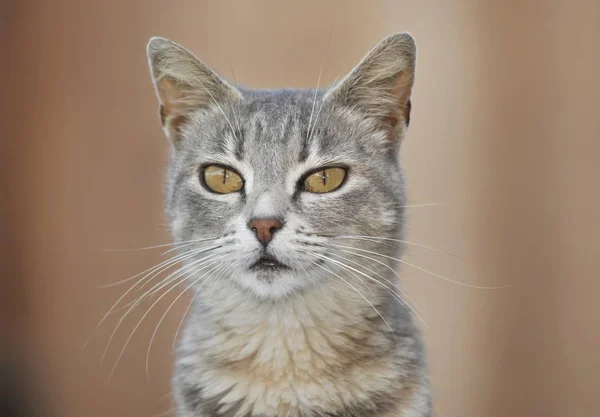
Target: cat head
[(266, 187)]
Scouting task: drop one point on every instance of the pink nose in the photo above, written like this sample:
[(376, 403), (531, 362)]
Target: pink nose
[(264, 229)]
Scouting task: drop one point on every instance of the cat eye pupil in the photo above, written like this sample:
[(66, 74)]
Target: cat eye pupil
[(324, 180), (221, 180)]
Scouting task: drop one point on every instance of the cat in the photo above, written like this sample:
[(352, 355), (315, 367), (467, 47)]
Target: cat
[(288, 208)]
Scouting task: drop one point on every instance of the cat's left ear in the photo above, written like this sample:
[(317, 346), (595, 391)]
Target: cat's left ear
[(184, 84), (380, 86)]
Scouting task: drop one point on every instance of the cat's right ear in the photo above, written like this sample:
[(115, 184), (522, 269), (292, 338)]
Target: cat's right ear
[(184, 84), (380, 86)]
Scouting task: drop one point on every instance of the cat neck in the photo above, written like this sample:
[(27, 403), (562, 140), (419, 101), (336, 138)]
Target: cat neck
[(307, 342), (330, 317)]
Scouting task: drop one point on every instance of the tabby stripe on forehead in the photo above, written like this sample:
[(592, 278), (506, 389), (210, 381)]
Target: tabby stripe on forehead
[(239, 145), (304, 150)]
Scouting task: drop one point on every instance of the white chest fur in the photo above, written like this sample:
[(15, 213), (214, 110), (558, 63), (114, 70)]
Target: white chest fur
[(316, 351)]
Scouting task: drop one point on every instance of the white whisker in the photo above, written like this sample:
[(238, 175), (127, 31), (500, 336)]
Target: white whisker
[(114, 284), (359, 293), (168, 280), (139, 323), (164, 245), (151, 273), (315, 99), (312, 132), (418, 245), (169, 308), (422, 269), (396, 296)]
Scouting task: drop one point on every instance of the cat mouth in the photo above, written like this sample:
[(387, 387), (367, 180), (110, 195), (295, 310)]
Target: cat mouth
[(268, 263)]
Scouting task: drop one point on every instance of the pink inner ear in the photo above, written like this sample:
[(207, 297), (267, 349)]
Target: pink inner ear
[(172, 110), (169, 93), (401, 91)]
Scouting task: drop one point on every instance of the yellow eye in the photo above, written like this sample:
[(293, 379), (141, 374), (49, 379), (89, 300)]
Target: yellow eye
[(222, 180), (324, 180)]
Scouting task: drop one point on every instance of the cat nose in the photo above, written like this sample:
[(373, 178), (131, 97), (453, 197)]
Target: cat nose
[(264, 229)]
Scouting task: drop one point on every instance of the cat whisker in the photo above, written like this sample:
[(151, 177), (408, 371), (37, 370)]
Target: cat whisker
[(315, 97), (418, 245), (396, 296), (326, 258), (312, 132), (114, 284), (478, 287), (156, 271), (179, 247), (185, 313), (359, 293), (374, 260), (150, 274), (164, 245), (230, 101), (217, 280), (160, 285), (142, 319), (188, 254), (168, 280), (374, 272), (149, 279), (169, 308)]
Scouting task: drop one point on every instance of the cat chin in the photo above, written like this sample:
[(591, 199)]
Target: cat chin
[(271, 285)]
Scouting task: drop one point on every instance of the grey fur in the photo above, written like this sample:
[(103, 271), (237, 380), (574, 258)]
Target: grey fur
[(318, 339)]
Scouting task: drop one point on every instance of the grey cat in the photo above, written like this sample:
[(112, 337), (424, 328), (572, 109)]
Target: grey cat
[(288, 207)]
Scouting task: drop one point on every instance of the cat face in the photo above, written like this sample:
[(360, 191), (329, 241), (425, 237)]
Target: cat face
[(262, 183)]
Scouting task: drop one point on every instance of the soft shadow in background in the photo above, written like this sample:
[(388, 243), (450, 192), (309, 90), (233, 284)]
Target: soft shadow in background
[(504, 132)]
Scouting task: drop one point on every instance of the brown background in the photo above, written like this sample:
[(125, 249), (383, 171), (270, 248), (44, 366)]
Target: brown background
[(504, 133)]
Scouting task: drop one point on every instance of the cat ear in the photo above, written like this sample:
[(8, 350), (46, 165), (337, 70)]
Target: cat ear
[(380, 86), (184, 84)]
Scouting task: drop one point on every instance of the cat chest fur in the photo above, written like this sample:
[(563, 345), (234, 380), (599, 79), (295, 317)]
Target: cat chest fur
[(294, 359)]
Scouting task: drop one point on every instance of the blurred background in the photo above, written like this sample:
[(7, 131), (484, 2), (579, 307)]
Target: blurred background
[(502, 158)]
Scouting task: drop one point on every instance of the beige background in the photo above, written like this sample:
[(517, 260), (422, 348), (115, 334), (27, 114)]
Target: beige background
[(504, 134)]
